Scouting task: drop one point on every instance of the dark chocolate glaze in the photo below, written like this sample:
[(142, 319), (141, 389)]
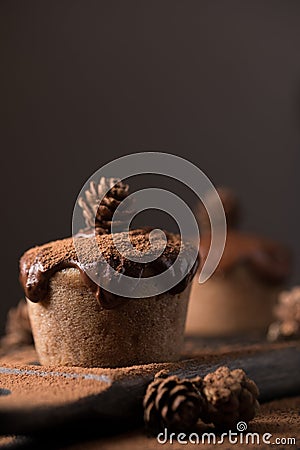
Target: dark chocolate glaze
[(269, 260), (39, 264)]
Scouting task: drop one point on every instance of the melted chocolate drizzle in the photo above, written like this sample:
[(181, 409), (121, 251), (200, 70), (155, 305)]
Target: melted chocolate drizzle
[(39, 264), (271, 261)]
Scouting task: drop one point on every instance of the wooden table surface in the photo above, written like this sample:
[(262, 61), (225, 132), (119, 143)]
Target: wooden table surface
[(57, 388)]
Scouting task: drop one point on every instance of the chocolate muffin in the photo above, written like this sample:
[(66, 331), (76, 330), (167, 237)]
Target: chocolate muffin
[(76, 322), (239, 297)]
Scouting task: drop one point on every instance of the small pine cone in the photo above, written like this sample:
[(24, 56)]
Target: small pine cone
[(173, 403), (284, 331), (18, 328), (98, 210), (231, 397), (288, 306), (287, 313)]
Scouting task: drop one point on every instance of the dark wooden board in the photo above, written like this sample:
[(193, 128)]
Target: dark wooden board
[(119, 407)]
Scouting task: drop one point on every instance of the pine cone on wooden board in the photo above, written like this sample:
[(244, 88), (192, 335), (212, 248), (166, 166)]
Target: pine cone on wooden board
[(231, 397), (287, 314), (98, 208), (173, 403)]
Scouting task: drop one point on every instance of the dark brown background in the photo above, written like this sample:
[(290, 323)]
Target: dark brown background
[(83, 82)]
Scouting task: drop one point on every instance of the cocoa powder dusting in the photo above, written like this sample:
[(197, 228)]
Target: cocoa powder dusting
[(38, 264)]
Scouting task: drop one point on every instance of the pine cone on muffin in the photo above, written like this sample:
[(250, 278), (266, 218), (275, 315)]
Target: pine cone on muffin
[(231, 397), (287, 313), (173, 403), (98, 210)]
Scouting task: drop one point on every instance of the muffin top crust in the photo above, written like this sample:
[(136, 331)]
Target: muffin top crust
[(40, 263)]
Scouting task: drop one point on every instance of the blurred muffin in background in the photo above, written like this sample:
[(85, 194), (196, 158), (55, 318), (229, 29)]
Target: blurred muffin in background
[(239, 297)]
